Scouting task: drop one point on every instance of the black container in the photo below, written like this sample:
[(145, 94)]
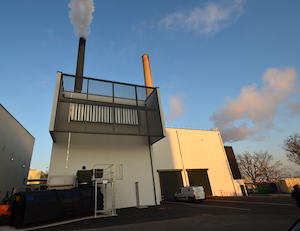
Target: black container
[(84, 178), (42, 206)]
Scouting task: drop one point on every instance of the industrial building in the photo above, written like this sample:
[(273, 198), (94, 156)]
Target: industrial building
[(115, 132), (16, 145), (187, 157), (110, 127)]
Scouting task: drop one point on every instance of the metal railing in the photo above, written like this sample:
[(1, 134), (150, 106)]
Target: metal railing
[(107, 88), (104, 178), (194, 128)]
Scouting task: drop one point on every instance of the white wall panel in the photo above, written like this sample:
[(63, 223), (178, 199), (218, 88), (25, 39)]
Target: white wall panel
[(87, 150)]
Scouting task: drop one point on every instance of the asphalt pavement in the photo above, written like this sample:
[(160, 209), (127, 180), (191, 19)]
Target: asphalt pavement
[(255, 212)]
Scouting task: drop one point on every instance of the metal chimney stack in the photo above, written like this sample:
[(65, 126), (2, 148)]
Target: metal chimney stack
[(80, 65), (147, 73)]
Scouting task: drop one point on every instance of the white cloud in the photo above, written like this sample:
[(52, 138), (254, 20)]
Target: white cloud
[(210, 19), (253, 111)]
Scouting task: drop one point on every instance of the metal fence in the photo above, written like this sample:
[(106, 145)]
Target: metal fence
[(106, 88)]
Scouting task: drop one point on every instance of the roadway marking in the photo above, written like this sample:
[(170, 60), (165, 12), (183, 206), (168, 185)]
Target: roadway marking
[(224, 207), (252, 202), (216, 206)]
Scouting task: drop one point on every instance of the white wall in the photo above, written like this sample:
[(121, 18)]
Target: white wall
[(197, 149), (181, 149), (90, 149), (16, 146)]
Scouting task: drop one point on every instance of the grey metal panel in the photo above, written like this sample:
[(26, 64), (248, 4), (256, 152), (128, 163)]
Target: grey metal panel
[(199, 177), (160, 109), (170, 182), (55, 101), (121, 110), (16, 145), (232, 163), (155, 120)]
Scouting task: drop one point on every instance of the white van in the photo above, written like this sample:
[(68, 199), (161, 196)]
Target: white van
[(190, 194)]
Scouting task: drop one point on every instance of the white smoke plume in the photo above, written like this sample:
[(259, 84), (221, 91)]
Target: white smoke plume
[(253, 111), (176, 107), (81, 16)]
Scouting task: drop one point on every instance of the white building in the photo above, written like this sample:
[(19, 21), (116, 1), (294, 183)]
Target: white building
[(106, 123), (188, 157), (119, 128), (16, 146)]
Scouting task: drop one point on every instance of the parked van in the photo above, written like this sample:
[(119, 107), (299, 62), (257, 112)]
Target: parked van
[(192, 193)]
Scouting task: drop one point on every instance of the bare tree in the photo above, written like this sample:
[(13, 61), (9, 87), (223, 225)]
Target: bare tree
[(270, 170), (249, 167), (291, 146), (260, 167)]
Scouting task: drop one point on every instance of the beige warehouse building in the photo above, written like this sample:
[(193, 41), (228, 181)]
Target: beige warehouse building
[(187, 157)]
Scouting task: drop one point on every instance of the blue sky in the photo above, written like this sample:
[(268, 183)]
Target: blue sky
[(230, 64)]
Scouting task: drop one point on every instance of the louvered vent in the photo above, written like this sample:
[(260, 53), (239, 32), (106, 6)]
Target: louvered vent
[(102, 114)]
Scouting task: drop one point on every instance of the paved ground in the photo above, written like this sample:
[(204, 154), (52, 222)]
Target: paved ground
[(263, 212)]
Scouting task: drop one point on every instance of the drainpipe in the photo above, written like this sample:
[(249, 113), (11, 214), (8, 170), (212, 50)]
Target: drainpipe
[(187, 183), (152, 169)]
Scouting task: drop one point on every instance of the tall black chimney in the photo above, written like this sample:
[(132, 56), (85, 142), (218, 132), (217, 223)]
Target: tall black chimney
[(80, 65)]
